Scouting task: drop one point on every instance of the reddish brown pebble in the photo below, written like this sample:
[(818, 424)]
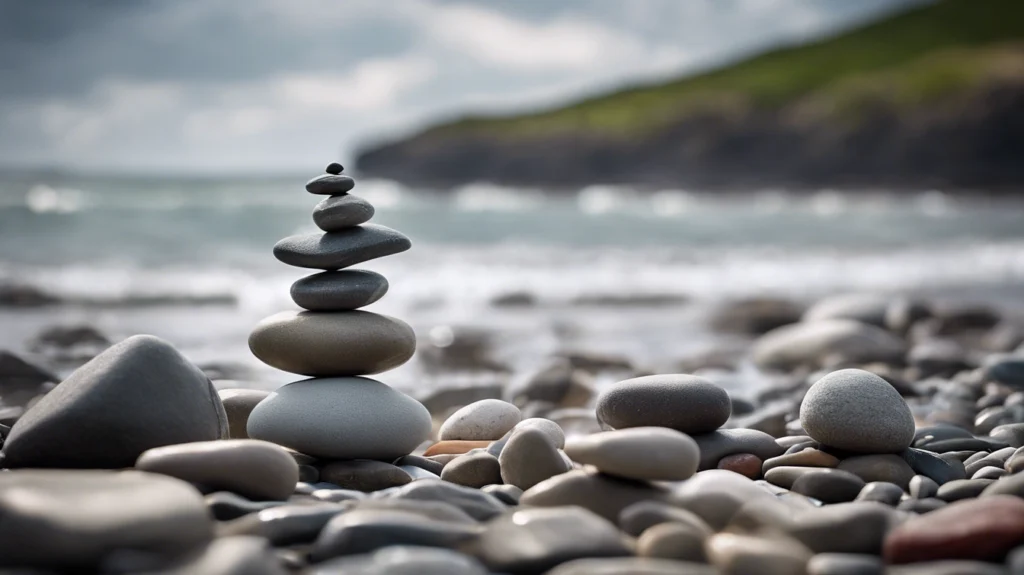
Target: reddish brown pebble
[(984, 529), (454, 447), (745, 464)]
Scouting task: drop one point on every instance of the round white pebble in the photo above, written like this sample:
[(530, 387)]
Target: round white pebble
[(484, 420)]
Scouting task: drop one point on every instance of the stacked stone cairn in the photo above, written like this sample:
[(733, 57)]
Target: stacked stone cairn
[(338, 416)]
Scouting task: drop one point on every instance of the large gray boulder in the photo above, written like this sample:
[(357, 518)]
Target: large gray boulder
[(136, 395)]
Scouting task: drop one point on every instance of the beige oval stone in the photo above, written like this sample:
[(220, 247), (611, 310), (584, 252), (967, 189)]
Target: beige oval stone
[(809, 457), (238, 404), (254, 469), (645, 453), (454, 447), (321, 344)]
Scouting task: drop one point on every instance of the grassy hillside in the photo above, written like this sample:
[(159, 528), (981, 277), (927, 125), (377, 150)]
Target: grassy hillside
[(916, 55)]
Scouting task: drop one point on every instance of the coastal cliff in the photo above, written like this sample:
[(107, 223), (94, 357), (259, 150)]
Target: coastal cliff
[(933, 97)]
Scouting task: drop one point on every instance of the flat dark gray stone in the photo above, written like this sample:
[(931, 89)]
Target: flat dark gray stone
[(339, 212), (363, 531), (337, 250), (339, 290), (137, 395), (535, 540), (330, 185), (682, 402)]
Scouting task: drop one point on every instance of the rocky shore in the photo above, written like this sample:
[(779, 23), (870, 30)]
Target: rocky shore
[(889, 440)]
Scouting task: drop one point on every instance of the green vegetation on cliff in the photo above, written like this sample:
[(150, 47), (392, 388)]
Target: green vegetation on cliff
[(913, 57)]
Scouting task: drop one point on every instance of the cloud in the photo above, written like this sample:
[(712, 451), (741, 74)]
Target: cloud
[(490, 37), (371, 85), (197, 85)]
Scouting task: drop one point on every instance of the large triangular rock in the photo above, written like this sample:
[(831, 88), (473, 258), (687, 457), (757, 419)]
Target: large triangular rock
[(136, 395)]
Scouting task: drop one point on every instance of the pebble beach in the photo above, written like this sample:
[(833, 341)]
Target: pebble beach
[(859, 433)]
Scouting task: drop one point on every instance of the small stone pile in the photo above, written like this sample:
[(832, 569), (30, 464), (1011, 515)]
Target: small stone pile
[(338, 415)]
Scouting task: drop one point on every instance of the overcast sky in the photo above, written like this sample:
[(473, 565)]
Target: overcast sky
[(282, 85)]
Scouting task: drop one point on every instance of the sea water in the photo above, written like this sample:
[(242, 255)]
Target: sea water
[(104, 240)]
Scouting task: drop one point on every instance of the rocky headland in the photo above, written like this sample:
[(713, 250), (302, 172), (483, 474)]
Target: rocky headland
[(931, 98)]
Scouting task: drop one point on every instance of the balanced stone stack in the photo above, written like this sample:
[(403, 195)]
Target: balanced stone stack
[(338, 415)]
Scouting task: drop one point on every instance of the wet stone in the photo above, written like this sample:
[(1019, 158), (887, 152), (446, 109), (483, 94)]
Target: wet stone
[(604, 495), (724, 442), (845, 564), (363, 475), (341, 249), (529, 458), (339, 290), (882, 492), (932, 466), (983, 529), (363, 531), (643, 453), (803, 458), (888, 467), (685, 403), (336, 213), (224, 505), (535, 540), (405, 560), (251, 468), (473, 470), (238, 404), (745, 464), (64, 520), (922, 487), (330, 184), (962, 489), (477, 504), (641, 516), (829, 485), (508, 494), (285, 525), (677, 541)]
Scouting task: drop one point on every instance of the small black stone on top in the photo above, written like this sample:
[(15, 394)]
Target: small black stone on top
[(334, 168)]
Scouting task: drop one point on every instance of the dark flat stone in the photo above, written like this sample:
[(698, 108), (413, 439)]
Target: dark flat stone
[(330, 185), (339, 212), (339, 290), (337, 250)]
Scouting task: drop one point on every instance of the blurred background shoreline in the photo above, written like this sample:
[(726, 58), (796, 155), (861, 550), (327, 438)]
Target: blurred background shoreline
[(868, 147)]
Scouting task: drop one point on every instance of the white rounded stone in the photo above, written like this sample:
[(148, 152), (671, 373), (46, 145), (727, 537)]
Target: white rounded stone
[(484, 420)]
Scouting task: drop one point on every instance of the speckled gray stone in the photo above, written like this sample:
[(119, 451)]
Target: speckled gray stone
[(339, 290), (685, 403), (339, 212), (326, 344), (337, 250), (858, 411), (330, 185), (341, 418), (484, 420)]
